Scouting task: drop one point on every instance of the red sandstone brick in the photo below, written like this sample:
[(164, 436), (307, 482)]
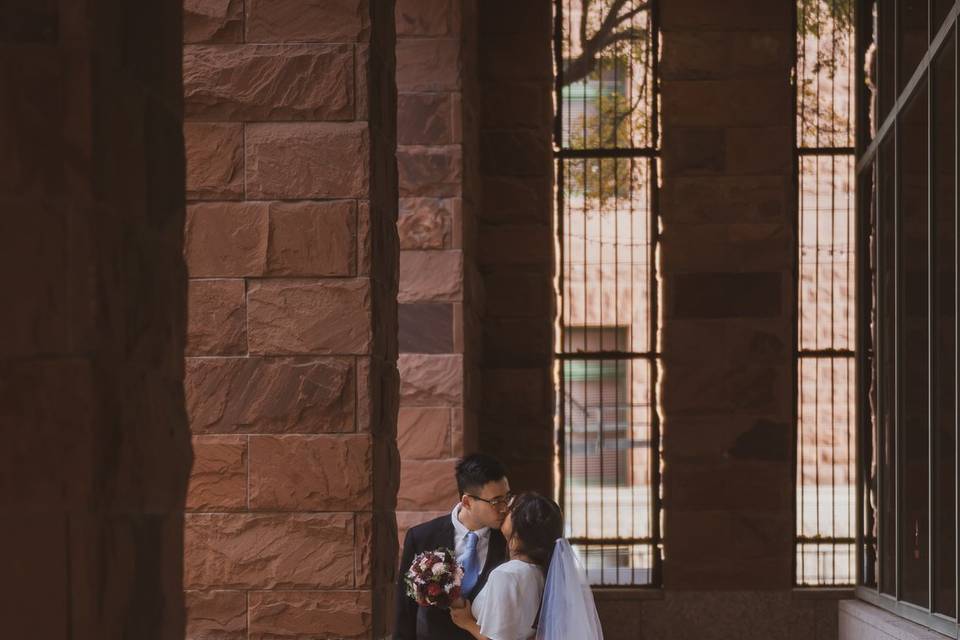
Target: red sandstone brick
[(268, 82), (764, 150), (312, 239), (736, 103), (427, 484), (423, 17), (735, 14), (428, 64), (425, 223), (310, 473), (407, 519), (218, 479), (430, 171), (216, 615), (516, 153), (310, 614), (430, 380), (517, 200), (726, 199), (715, 55), (212, 21), (518, 342), (307, 160), (431, 276), (321, 317), (269, 551), (424, 118), (270, 395), (226, 239), (722, 388), (704, 248), (518, 293), (516, 56), (725, 484), (214, 160), (315, 21), (423, 433), (216, 322), (733, 340)]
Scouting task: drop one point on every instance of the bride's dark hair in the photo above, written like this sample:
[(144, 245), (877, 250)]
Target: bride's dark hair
[(537, 523)]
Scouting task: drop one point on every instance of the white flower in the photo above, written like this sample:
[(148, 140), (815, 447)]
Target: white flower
[(438, 569)]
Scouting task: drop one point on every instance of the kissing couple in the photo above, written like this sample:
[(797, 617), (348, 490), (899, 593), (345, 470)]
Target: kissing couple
[(521, 578)]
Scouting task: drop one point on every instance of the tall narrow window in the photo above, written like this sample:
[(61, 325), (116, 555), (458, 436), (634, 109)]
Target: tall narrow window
[(607, 143), (826, 332)]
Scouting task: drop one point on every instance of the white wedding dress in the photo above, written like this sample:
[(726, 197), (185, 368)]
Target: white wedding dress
[(507, 607)]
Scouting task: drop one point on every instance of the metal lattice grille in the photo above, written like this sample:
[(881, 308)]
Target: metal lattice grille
[(826, 402), (607, 167)]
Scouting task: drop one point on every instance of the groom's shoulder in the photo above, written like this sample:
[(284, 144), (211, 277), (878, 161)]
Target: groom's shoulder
[(428, 528)]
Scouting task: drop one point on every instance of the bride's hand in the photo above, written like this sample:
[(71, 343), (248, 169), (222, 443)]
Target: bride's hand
[(462, 615)]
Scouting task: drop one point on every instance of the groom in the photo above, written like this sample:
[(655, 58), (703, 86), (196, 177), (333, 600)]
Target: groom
[(472, 530)]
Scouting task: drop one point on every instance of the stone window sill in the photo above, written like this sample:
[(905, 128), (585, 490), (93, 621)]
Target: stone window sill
[(862, 621)]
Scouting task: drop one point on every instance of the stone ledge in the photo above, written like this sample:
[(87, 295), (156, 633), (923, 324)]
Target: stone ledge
[(608, 594), (862, 621)]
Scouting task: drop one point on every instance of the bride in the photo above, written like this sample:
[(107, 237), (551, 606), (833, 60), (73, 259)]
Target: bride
[(541, 591)]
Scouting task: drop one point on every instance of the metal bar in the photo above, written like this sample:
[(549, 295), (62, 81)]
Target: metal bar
[(956, 324), (826, 353), (608, 355), (931, 266), (612, 541), (560, 435), (613, 152), (826, 151)]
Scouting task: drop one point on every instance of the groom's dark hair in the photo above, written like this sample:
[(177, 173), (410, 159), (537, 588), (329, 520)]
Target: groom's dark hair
[(476, 470)]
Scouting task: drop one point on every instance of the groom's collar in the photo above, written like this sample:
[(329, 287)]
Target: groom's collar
[(461, 529)]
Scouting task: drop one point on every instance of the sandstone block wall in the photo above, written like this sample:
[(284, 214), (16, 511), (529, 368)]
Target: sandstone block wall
[(96, 452), (291, 379), (440, 299), (516, 237)]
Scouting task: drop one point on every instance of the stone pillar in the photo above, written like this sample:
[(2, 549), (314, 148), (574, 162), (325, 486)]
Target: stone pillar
[(95, 452), (727, 264), (516, 238), (291, 375), (440, 291)]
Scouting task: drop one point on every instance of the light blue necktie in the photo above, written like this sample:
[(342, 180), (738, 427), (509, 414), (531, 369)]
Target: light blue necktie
[(470, 562)]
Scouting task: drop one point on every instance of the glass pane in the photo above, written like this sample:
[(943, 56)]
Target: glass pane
[(608, 495), (940, 10), (825, 470), (607, 98), (886, 57), (827, 245), (944, 337), (616, 564), (912, 38), (868, 454), (825, 72), (886, 359), (607, 254), (912, 336)]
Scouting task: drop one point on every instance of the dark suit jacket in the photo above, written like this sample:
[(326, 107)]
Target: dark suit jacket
[(429, 623)]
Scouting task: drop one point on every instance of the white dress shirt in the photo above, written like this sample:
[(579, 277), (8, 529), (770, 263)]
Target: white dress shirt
[(460, 532)]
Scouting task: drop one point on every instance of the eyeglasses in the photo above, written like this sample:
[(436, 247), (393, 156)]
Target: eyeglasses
[(501, 503)]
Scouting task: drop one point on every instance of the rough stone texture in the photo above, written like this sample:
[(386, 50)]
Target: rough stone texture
[(316, 21), (270, 551), (269, 82), (431, 276), (216, 322), (218, 479), (216, 615), (423, 433), (430, 380), (271, 395), (428, 64), (212, 21), (96, 452), (312, 239), (425, 223), (310, 473), (426, 328), (427, 485), (310, 614), (430, 171), (226, 239), (306, 160), (322, 317), (214, 160), (292, 151)]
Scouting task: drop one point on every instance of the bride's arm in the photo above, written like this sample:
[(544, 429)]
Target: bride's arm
[(463, 618)]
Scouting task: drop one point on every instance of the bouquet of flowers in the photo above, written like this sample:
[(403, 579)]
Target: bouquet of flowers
[(433, 578)]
